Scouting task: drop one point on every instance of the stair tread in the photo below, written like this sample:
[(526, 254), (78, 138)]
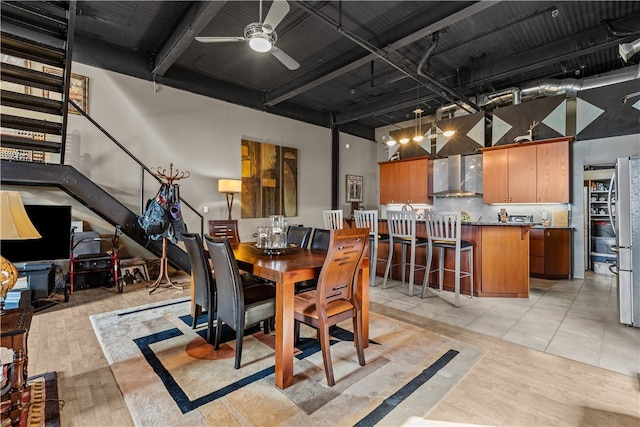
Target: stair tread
[(28, 77)]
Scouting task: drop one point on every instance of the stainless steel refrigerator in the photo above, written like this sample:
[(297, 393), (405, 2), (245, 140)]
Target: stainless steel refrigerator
[(624, 210)]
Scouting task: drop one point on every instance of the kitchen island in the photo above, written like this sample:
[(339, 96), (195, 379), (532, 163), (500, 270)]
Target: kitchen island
[(500, 259)]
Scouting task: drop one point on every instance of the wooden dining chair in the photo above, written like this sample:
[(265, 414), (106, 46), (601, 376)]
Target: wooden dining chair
[(335, 298), (225, 228), (333, 219), (238, 306)]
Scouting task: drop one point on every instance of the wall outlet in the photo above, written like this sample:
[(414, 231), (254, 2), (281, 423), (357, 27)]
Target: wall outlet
[(205, 209)]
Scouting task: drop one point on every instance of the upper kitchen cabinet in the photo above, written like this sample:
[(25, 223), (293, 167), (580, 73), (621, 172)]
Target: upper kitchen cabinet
[(533, 172), (405, 181)]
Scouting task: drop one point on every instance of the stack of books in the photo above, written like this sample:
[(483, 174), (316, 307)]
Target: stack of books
[(15, 294)]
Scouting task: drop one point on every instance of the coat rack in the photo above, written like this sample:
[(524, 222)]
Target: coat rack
[(169, 179)]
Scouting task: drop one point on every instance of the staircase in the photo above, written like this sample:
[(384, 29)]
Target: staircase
[(36, 45)]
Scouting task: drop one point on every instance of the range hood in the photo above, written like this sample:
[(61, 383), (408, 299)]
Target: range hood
[(456, 178)]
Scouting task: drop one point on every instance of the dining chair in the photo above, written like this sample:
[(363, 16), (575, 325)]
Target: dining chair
[(299, 236), (335, 299), (333, 219), (402, 230), (369, 219), (203, 284), (443, 231), (320, 239), (239, 307), (224, 228)]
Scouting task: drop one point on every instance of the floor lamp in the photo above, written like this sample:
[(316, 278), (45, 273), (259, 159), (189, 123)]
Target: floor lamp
[(229, 187), (14, 225)]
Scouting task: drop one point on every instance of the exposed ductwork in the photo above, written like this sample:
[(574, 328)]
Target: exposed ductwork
[(456, 179), (627, 50)]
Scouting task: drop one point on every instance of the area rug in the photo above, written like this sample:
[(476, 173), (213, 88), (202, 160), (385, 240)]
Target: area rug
[(170, 375), (41, 400)]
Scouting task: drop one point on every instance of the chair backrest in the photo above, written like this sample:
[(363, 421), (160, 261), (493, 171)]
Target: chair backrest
[(444, 226), (401, 224), (340, 269), (203, 285), (367, 219), (224, 228), (299, 236), (320, 239), (333, 219), (229, 290)]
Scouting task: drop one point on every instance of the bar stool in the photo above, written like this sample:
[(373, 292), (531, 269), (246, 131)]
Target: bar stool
[(369, 219), (402, 229), (333, 219), (443, 230)]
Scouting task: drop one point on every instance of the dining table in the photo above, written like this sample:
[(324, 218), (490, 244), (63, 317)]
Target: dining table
[(285, 269)]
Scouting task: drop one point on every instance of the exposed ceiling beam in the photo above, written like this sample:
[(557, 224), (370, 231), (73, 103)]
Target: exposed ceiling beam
[(196, 18), (329, 72)]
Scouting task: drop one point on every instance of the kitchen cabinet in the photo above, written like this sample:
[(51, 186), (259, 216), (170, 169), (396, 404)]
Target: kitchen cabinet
[(405, 181), (533, 172), (550, 253)]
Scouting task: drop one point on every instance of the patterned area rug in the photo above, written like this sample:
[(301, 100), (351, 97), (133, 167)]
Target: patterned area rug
[(170, 375)]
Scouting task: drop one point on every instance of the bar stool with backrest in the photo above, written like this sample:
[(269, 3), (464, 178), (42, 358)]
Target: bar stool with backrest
[(443, 230), (333, 219), (402, 230), (369, 219)]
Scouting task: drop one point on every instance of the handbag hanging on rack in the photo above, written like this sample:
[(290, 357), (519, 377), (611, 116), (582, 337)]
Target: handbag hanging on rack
[(177, 227), (156, 218)]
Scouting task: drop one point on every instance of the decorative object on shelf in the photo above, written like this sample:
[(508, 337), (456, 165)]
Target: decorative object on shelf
[(15, 225), (229, 187)]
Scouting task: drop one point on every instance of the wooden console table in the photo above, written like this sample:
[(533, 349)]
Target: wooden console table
[(14, 330)]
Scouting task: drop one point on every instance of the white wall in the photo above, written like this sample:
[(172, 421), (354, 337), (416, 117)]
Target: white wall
[(162, 125)]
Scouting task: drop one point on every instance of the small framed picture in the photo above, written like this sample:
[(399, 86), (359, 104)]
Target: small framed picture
[(134, 270), (354, 188), (78, 90)]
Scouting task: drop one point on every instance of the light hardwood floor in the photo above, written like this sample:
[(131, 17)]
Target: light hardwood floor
[(511, 385)]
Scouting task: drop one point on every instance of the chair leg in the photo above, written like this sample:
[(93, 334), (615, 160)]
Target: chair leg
[(197, 312), (471, 271), (210, 330), (357, 337), (218, 334), (427, 273), (388, 269), (412, 267), (457, 278), (323, 331), (441, 268), (373, 262), (296, 332), (239, 339), (404, 262)]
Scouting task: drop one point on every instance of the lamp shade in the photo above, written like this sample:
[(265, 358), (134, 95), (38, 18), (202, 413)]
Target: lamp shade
[(14, 221), (229, 185)]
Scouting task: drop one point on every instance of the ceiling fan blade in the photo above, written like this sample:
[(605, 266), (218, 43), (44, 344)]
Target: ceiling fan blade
[(219, 39), (276, 14), (288, 61)]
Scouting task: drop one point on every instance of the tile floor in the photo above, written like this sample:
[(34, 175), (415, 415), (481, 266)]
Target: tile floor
[(576, 319)]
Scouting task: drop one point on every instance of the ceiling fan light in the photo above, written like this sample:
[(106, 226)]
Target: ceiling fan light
[(260, 44)]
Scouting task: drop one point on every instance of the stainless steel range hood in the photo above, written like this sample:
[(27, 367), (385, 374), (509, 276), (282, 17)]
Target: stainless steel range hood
[(456, 178)]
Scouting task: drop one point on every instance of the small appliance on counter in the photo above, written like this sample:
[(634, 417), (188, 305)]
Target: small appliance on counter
[(520, 218)]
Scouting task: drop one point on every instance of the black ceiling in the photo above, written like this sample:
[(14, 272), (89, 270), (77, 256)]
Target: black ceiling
[(358, 59)]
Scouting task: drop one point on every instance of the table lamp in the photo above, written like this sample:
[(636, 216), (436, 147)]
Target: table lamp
[(14, 225), (229, 187)]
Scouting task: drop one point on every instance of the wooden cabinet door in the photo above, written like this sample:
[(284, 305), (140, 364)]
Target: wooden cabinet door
[(536, 251), (557, 243), (522, 174), (495, 170), (387, 183), (414, 174), (553, 172)]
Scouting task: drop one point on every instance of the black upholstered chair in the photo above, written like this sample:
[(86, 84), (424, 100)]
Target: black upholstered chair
[(299, 236), (320, 239), (203, 284), (237, 306)]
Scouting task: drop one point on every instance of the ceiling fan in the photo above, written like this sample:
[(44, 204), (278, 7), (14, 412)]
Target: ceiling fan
[(261, 35)]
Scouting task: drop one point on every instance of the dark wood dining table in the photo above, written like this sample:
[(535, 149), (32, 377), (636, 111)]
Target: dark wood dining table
[(285, 270)]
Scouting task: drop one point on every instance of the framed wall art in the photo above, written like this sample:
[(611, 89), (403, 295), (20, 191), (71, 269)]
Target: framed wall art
[(354, 188), (78, 90)]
